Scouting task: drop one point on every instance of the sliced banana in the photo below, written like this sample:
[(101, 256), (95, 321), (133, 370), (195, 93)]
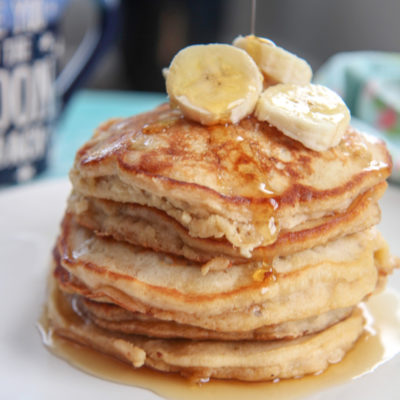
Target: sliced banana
[(311, 114), (277, 65), (215, 83)]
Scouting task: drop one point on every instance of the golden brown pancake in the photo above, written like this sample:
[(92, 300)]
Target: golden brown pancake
[(243, 297), (241, 183), (152, 228), (200, 360), (116, 319)]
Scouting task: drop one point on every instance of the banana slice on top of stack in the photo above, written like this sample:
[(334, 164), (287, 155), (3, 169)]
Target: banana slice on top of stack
[(311, 114), (276, 64), (215, 83), (221, 83)]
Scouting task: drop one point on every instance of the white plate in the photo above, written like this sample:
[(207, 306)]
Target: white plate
[(29, 219)]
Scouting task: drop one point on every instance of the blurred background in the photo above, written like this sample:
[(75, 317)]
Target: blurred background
[(151, 32)]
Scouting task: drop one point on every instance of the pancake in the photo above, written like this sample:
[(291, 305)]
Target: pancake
[(200, 360), (243, 297), (114, 318), (152, 228), (242, 183)]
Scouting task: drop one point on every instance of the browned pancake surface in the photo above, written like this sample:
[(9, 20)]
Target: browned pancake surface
[(251, 161)]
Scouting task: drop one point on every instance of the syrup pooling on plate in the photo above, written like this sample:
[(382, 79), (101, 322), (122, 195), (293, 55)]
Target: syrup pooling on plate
[(379, 343)]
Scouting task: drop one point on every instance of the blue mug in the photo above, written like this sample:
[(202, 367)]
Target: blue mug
[(32, 92)]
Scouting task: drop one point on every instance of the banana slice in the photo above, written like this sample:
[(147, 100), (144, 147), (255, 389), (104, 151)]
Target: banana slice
[(311, 114), (277, 65), (215, 83)]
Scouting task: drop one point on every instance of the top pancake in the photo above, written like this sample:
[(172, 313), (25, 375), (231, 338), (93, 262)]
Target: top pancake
[(240, 182)]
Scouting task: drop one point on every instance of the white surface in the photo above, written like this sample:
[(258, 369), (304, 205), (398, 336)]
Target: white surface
[(29, 220)]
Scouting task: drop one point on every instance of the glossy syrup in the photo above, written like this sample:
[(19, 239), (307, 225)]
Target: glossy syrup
[(379, 343)]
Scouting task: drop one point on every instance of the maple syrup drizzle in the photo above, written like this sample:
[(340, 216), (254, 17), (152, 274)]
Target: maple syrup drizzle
[(379, 343), (253, 17)]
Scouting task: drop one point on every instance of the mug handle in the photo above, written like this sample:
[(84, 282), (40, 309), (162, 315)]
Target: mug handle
[(92, 47)]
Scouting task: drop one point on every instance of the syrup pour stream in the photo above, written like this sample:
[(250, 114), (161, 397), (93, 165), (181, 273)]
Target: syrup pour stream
[(253, 17)]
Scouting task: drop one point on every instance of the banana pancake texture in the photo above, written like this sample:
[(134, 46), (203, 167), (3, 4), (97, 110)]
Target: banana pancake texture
[(229, 239)]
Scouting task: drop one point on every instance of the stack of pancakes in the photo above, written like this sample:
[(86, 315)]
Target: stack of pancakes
[(229, 251)]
